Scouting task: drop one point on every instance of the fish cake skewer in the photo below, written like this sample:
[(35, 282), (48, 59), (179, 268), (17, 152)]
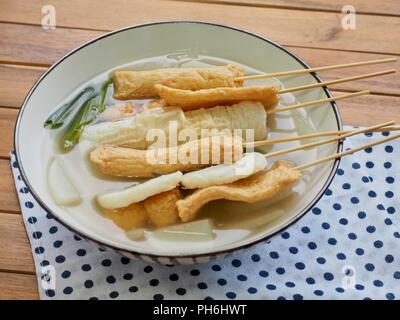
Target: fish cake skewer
[(206, 98), (140, 84), (132, 132), (196, 154), (261, 186)]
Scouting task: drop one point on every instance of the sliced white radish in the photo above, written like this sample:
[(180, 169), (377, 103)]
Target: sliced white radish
[(61, 187), (250, 164), (201, 230), (139, 192)]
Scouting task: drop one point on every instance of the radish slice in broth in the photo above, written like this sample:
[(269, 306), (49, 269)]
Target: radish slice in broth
[(62, 190)]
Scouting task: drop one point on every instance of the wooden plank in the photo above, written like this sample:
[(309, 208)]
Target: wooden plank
[(369, 110), (15, 255), (7, 123), (33, 45), (14, 286), (8, 195), (15, 82), (387, 7), (300, 28)]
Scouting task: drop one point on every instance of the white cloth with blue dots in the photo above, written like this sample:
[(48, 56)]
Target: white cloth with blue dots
[(346, 247)]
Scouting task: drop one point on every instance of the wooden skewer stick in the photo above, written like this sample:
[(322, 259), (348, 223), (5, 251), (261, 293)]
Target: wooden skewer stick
[(345, 153), (311, 135), (303, 71), (327, 83), (316, 102), (318, 143)]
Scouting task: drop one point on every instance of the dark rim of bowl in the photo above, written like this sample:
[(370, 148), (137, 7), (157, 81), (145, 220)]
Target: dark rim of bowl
[(172, 256)]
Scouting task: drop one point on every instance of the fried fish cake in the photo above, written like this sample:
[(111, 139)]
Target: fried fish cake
[(127, 218), (196, 154), (261, 186), (207, 98), (140, 84), (161, 209), (134, 131)]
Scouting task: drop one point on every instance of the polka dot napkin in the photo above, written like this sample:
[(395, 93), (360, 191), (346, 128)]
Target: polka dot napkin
[(346, 247)]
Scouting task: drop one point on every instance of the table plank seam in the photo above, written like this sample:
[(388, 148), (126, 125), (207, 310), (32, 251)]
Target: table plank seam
[(17, 272), (8, 211)]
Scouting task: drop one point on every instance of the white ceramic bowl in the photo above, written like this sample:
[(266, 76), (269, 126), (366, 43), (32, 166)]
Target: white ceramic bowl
[(138, 42)]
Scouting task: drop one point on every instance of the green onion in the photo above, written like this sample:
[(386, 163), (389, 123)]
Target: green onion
[(103, 94), (85, 115), (92, 106), (57, 118)]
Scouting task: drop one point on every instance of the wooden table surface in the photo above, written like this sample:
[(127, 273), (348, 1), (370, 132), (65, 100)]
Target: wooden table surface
[(311, 29)]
